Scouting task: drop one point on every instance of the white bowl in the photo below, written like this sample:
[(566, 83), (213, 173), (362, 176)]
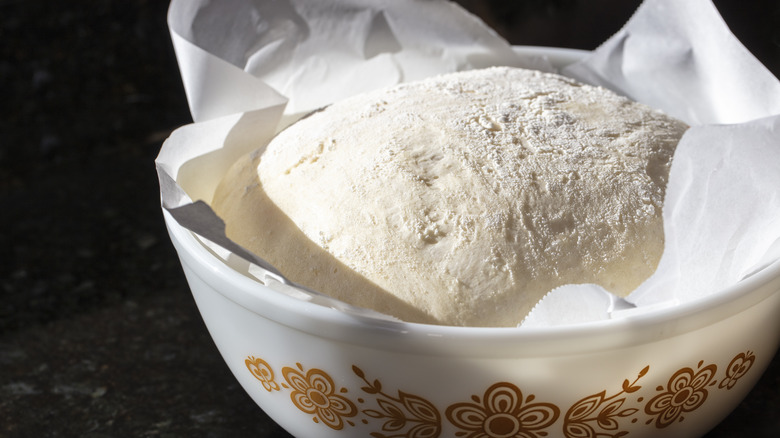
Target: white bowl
[(319, 372)]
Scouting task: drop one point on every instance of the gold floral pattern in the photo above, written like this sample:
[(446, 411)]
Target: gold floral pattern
[(738, 367), (404, 416), (262, 372), (314, 393), (594, 415), (685, 392), (502, 413)]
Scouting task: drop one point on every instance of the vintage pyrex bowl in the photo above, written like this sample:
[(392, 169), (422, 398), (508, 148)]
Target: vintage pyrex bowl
[(319, 372)]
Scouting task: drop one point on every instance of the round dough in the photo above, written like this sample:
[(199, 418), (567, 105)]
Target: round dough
[(461, 199)]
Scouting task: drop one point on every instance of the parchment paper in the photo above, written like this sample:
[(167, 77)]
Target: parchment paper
[(252, 67)]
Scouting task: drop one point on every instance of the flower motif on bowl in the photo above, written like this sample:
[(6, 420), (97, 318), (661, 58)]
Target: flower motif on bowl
[(502, 411)]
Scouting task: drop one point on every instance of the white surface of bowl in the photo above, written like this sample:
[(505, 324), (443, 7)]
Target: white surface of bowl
[(320, 372)]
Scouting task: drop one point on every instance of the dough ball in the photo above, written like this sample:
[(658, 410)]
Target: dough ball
[(460, 199)]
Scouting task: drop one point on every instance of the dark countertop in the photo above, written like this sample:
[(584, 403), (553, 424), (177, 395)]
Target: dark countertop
[(99, 336)]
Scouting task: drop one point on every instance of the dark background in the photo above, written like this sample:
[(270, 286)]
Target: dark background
[(99, 336)]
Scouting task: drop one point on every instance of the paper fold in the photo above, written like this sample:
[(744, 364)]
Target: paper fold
[(238, 55), (680, 57)]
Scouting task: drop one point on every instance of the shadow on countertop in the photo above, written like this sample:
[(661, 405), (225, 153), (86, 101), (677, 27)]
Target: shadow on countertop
[(99, 335)]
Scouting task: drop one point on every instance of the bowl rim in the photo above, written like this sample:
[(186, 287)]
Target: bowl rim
[(629, 331), (327, 322)]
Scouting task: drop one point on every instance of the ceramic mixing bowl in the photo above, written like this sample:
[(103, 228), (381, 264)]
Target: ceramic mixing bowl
[(320, 372)]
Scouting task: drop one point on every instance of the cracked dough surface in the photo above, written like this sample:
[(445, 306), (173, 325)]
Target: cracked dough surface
[(461, 199)]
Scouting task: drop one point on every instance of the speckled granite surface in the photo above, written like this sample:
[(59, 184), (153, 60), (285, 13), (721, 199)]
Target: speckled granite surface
[(99, 336)]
